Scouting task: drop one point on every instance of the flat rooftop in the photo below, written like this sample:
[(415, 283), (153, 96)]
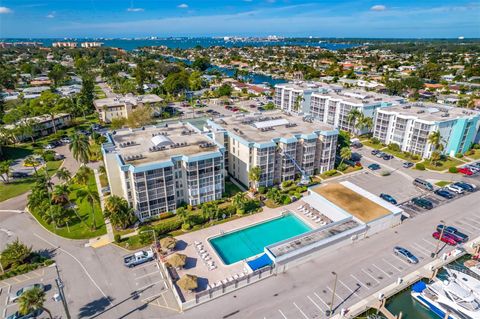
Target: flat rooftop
[(359, 96), (158, 144), (129, 98), (264, 127), (352, 202), (431, 111)]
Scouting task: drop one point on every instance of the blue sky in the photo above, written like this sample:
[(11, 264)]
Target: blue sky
[(322, 18)]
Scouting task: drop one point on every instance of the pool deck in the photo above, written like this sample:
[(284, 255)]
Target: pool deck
[(195, 264)]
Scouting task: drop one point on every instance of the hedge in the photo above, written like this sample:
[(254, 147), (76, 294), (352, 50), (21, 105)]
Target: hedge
[(453, 169), (23, 269), (420, 166)]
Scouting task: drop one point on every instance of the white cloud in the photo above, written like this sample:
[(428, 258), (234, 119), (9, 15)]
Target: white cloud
[(135, 9), (51, 15), (378, 7), (5, 10), (183, 6)]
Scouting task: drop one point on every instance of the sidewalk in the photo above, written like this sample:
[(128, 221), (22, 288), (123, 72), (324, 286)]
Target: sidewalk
[(109, 237)]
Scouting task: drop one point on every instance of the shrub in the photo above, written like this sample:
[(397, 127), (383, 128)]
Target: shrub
[(262, 189), (287, 200), (286, 184), (476, 146), (415, 157), (330, 172), (117, 238), (420, 166), (301, 189), (298, 195), (186, 226), (167, 226), (459, 155), (49, 156), (453, 170), (374, 140), (342, 167), (394, 147), (166, 215), (470, 152)]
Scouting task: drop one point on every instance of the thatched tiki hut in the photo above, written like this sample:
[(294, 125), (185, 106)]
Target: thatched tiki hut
[(168, 243), (177, 260), (188, 282)]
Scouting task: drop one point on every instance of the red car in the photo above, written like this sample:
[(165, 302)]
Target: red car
[(465, 171), (446, 238)]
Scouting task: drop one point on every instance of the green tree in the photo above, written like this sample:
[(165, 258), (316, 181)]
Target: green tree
[(201, 63), (224, 90), (239, 201), (435, 157), (32, 300), (298, 102), (49, 102), (435, 139), (6, 170), (63, 174), (92, 197), (60, 194), (119, 212), (57, 74), (353, 116), (83, 175), (182, 213), (80, 148), (15, 253), (86, 95), (254, 176), (345, 154), (33, 162), (176, 82)]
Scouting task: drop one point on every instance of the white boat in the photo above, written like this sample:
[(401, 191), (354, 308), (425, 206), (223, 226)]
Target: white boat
[(442, 297), (473, 265), (468, 281)]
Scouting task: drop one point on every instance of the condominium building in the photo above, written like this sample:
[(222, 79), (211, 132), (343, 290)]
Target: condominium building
[(64, 44), (91, 44), (410, 125), (122, 106), (158, 168), (334, 107), (41, 125), (283, 146), (330, 104)]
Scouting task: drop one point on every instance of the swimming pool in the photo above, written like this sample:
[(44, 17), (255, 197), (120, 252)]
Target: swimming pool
[(250, 241)]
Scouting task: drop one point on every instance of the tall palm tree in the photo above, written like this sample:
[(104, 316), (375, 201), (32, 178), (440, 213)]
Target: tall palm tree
[(5, 170), (64, 174), (31, 300), (239, 201), (60, 194), (83, 175), (254, 175), (31, 161), (435, 138), (80, 148), (92, 198), (182, 213), (364, 122), (298, 101), (345, 154), (353, 116)]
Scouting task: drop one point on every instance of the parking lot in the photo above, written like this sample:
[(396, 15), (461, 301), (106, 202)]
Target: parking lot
[(45, 276)]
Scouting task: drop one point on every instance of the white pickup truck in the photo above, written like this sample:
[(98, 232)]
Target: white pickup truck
[(138, 258)]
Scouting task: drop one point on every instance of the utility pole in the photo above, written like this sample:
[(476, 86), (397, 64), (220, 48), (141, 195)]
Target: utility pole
[(60, 286), (330, 311), (434, 254)]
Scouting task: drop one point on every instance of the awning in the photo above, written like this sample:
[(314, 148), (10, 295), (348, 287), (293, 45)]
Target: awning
[(260, 262)]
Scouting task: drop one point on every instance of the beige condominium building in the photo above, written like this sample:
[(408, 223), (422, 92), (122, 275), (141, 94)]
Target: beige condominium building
[(158, 168), (122, 106), (283, 146)]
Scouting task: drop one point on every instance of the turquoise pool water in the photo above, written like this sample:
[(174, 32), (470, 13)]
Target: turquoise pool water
[(250, 241)]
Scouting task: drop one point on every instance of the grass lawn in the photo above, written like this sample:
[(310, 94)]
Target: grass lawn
[(475, 156), (442, 183), (443, 165), (231, 189), (351, 169), (103, 180), (325, 176), (375, 146), (80, 227), (19, 186), (99, 94)]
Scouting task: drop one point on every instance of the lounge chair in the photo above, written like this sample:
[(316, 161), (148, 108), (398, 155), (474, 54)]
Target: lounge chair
[(212, 267), (197, 243), (202, 251), (207, 258)]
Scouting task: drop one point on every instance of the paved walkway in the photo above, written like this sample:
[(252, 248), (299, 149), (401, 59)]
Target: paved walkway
[(109, 237)]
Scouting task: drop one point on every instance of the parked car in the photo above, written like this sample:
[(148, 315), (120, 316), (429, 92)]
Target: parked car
[(422, 202), (65, 140), (138, 258), (442, 192), (14, 296), (387, 157), (459, 236), (446, 238), (404, 253), (466, 186), (465, 171), (454, 188), (423, 184), (380, 154), (20, 174), (33, 314), (374, 152), (388, 198), (59, 156), (49, 146), (374, 167), (473, 168), (407, 164)]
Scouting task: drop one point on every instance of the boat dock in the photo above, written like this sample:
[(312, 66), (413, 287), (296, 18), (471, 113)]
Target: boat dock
[(378, 299)]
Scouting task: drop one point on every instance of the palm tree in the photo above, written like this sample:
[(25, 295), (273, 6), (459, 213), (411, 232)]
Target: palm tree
[(80, 148), (64, 174), (345, 154), (364, 122), (435, 157), (31, 300), (353, 116), (5, 170), (60, 194), (83, 175), (31, 161), (239, 201), (119, 212), (254, 175), (435, 138), (182, 213), (92, 197), (298, 100)]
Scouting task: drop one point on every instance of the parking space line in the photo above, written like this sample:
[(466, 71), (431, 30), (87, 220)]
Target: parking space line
[(381, 270), (361, 283), (146, 275), (470, 229), (336, 295), (366, 272), (300, 310), (391, 265), (144, 266), (352, 291), (316, 305), (472, 220), (428, 242), (421, 249), (403, 261), (285, 317), (319, 298)]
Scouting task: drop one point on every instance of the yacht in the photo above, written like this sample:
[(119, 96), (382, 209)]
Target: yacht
[(447, 296), (467, 279), (473, 265)]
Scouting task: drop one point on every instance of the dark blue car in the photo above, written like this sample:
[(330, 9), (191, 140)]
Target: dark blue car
[(457, 235), (444, 193), (388, 198), (374, 167)]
